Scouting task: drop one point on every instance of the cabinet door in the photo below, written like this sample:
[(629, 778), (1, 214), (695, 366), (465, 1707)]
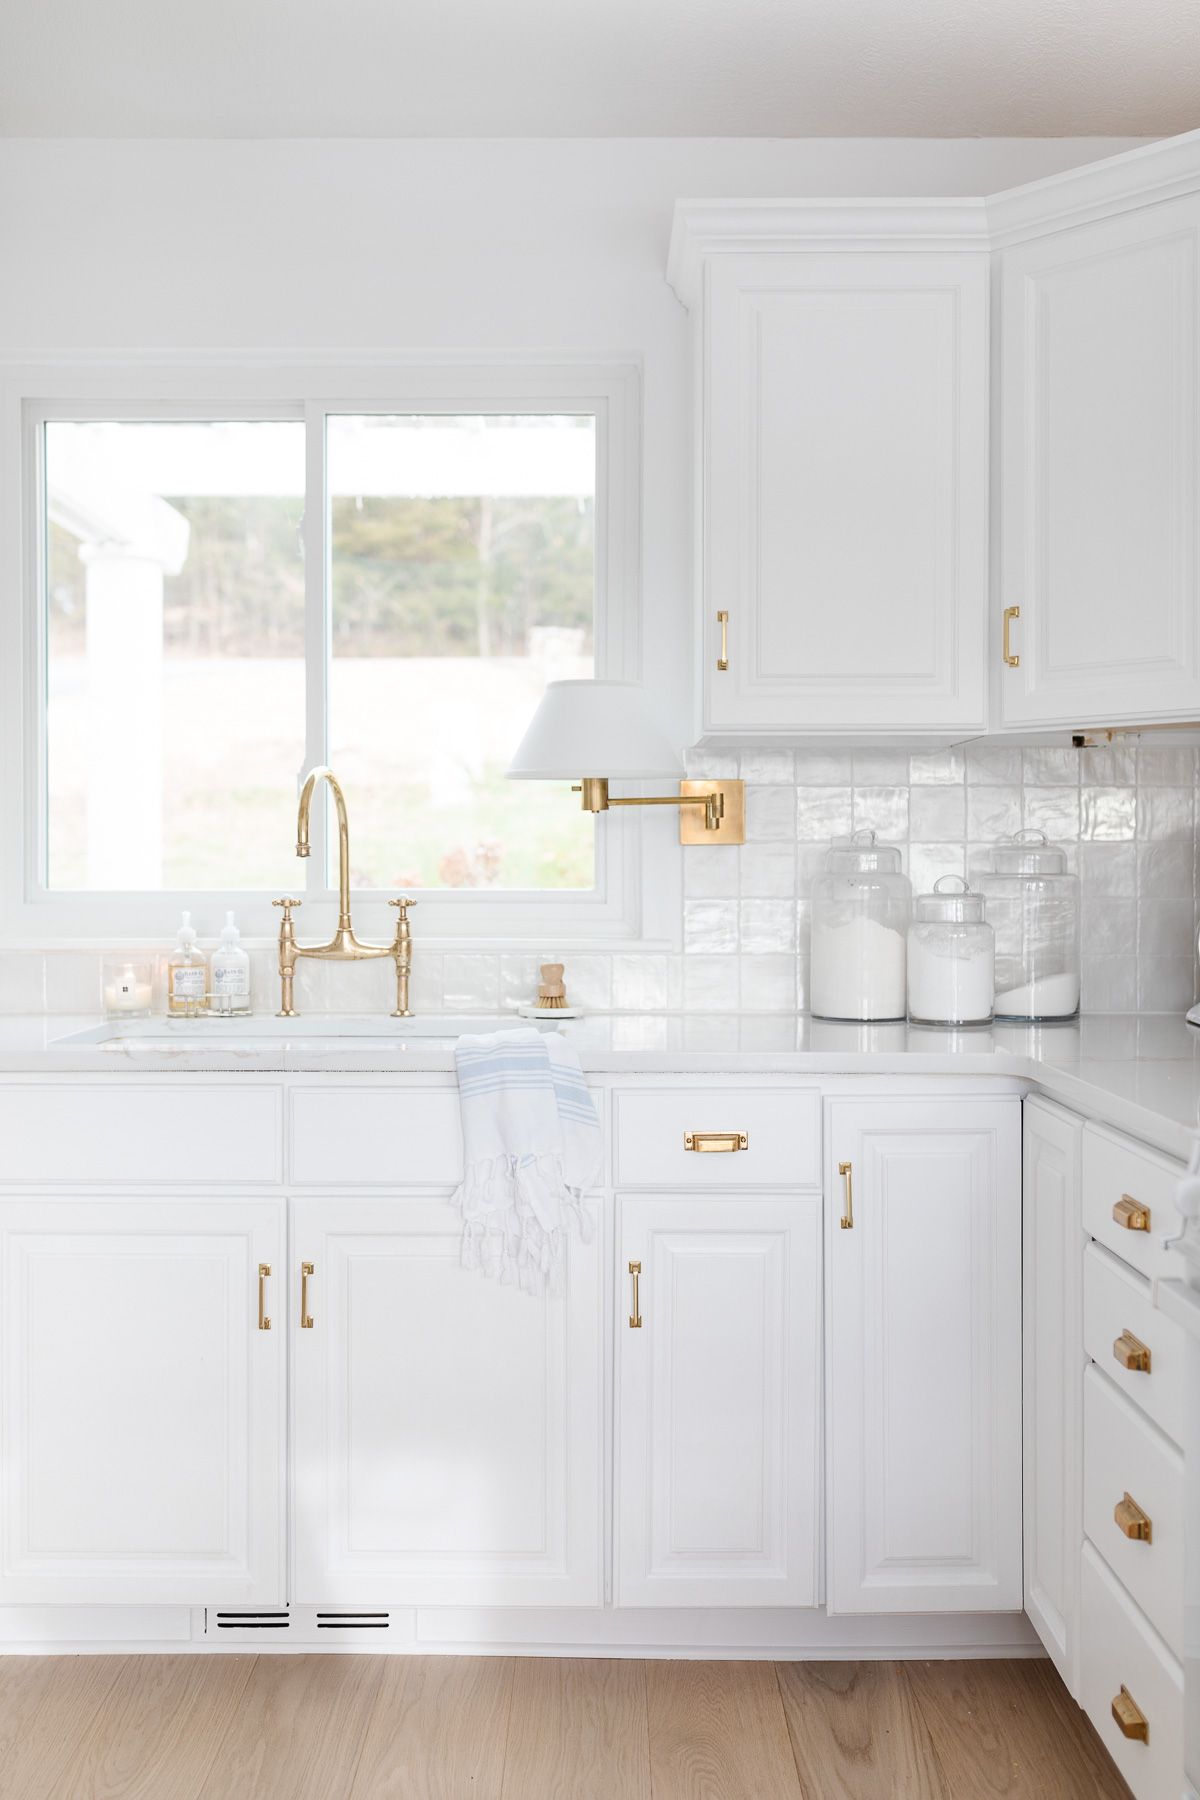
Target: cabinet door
[(845, 492), (924, 1356), (1053, 1376), (1100, 411), (718, 1435), (447, 1429), (142, 1432)]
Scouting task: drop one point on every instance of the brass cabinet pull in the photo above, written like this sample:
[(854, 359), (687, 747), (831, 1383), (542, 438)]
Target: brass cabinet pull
[(1131, 1214), (306, 1270), (706, 1142), (1132, 1520), (1010, 613), (723, 622), (846, 1171), (1131, 1353), (264, 1270), (1130, 1717), (635, 1317)]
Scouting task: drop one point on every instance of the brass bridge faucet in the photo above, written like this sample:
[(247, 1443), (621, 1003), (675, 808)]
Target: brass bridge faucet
[(343, 946)]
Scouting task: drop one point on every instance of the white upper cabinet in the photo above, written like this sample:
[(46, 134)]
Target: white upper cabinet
[(843, 465), (1099, 412)]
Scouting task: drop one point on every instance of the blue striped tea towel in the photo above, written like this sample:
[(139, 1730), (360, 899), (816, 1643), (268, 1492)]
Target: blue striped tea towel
[(532, 1147)]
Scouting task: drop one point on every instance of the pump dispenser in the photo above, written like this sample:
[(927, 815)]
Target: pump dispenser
[(230, 985), (187, 974)]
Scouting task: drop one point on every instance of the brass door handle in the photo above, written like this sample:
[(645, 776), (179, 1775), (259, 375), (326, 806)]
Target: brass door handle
[(264, 1270), (635, 1317), (1130, 1519), (1010, 613), (846, 1171), (1131, 1353), (307, 1270), (707, 1142), (1130, 1717), (723, 622), (1131, 1214)]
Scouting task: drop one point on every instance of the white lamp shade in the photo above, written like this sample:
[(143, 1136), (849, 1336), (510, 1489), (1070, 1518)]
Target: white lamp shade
[(600, 728)]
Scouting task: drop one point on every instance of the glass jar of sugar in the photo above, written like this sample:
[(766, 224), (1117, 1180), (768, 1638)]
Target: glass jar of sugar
[(860, 911), (1033, 904), (951, 957)]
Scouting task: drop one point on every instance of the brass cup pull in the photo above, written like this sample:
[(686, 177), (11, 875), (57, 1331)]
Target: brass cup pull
[(723, 622), (1131, 1214), (1130, 1717), (1132, 1520), (846, 1171), (635, 1317), (264, 1323), (708, 1142), (1011, 658), (1131, 1353), (307, 1270)]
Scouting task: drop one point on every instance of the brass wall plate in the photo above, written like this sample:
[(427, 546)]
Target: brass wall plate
[(731, 830)]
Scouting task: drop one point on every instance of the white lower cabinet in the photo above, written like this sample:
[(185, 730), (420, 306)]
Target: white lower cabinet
[(718, 1456), (447, 1431), (142, 1401), (1053, 1380), (923, 1388)]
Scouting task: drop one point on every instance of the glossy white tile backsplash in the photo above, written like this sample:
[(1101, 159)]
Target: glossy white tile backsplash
[(1127, 813)]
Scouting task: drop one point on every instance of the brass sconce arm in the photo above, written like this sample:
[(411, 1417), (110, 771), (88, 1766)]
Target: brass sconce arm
[(709, 796)]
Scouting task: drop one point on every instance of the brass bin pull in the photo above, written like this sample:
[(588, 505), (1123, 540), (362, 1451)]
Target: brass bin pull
[(306, 1271), (707, 1142), (635, 1317), (1130, 1717), (1131, 1214), (723, 622), (1010, 613), (1131, 1353), (264, 1270), (1130, 1519), (846, 1171)]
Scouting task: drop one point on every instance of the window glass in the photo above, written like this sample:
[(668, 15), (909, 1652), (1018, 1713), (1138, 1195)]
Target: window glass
[(463, 579), (175, 673)]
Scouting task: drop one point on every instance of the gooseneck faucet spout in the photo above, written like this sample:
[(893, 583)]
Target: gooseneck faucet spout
[(302, 847)]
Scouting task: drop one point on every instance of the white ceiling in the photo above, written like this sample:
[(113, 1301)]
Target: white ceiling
[(598, 68)]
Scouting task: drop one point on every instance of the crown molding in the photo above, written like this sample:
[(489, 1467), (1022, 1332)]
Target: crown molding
[(1099, 190), (705, 228)]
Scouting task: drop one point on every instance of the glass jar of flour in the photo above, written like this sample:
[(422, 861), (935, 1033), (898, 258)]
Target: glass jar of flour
[(860, 911), (1033, 903), (951, 957)]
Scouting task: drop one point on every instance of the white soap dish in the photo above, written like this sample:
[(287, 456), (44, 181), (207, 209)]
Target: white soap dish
[(528, 1010)]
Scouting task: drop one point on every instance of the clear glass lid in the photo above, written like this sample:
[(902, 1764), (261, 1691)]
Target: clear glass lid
[(1028, 853), (950, 906), (862, 854)]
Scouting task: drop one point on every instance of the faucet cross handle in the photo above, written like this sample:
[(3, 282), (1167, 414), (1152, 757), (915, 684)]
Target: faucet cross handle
[(287, 906), (403, 901)]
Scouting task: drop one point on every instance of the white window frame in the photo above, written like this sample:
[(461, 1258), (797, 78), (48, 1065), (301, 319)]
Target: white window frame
[(635, 898)]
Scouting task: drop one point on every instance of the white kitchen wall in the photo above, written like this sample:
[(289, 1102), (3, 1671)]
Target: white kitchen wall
[(561, 247)]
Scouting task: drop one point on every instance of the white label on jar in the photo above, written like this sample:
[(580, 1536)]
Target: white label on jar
[(187, 981), (230, 978)]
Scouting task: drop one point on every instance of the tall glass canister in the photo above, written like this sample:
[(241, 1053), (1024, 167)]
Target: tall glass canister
[(1033, 904), (951, 957), (860, 911)]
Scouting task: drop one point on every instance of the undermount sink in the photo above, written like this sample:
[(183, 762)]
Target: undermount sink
[(254, 1033)]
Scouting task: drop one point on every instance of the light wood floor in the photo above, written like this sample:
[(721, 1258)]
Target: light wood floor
[(496, 1728)]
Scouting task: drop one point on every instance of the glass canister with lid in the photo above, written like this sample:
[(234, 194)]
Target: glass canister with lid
[(1033, 904), (951, 957), (861, 903)]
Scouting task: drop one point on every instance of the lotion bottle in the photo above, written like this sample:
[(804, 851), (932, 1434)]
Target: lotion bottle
[(187, 974), (230, 984)]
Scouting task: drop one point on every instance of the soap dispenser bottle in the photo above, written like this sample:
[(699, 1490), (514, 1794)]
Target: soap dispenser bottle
[(187, 974), (230, 982)]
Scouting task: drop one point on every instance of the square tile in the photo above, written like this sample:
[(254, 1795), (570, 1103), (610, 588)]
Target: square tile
[(1166, 983), (640, 983), (993, 765), (710, 765), (1054, 810), (472, 983), (1166, 813), (1047, 765), (767, 766), (927, 862), (1108, 984), (883, 810), (992, 812), (1166, 765), (710, 983), (939, 767), (770, 813), (824, 768), (1166, 869), (1108, 926), (823, 813), (1108, 869), (709, 925), (768, 983), (1108, 765), (937, 815), (1108, 814), (880, 768), (22, 982), (767, 870), (710, 871), (1166, 927), (767, 925)]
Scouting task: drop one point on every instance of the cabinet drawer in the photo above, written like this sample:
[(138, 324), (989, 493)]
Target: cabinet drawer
[(141, 1134), (1121, 1175), (1122, 1330), (1125, 1460), (1120, 1650), (718, 1137), (362, 1136)]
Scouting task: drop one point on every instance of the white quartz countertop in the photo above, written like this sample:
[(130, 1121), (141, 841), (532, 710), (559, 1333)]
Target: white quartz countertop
[(1138, 1074)]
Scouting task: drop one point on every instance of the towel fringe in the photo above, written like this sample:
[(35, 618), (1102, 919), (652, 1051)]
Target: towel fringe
[(516, 1211)]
